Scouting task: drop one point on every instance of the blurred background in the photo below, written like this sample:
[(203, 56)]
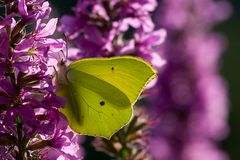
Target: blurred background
[(230, 65)]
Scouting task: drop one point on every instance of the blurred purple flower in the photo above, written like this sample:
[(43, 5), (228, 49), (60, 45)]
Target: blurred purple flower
[(193, 14), (192, 99)]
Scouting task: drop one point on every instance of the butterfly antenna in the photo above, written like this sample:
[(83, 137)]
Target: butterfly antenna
[(67, 42)]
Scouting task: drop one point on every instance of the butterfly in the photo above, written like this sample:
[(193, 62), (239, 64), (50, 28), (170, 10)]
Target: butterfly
[(101, 92)]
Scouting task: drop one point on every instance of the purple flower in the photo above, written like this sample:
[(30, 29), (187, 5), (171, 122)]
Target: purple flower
[(4, 154), (69, 152), (111, 28), (32, 10), (35, 50), (194, 151), (190, 14), (61, 142), (4, 43), (6, 21)]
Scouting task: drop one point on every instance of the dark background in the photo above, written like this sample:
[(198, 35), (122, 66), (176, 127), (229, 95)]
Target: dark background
[(230, 69)]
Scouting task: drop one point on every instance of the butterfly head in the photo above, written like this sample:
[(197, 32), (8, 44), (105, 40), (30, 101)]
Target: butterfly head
[(61, 63), (61, 77)]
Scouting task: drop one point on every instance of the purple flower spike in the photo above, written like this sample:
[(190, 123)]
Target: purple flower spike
[(30, 122), (191, 98)]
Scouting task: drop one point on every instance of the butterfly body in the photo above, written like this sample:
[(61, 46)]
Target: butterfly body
[(100, 92)]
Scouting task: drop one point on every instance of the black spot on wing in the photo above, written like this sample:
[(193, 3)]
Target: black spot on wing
[(102, 103)]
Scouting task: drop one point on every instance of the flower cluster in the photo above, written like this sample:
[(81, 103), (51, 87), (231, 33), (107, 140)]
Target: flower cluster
[(105, 28), (191, 100), (31, 125)]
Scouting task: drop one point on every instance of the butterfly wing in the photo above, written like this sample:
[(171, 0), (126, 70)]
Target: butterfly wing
[(101, 92)]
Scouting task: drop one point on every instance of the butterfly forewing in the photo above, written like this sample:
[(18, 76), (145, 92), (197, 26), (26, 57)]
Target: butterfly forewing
[(128, 74)]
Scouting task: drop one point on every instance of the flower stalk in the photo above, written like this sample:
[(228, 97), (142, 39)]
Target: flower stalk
[(20, 143)]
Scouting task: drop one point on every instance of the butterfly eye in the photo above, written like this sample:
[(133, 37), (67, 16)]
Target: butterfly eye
[(62, 62), (112, 68)]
